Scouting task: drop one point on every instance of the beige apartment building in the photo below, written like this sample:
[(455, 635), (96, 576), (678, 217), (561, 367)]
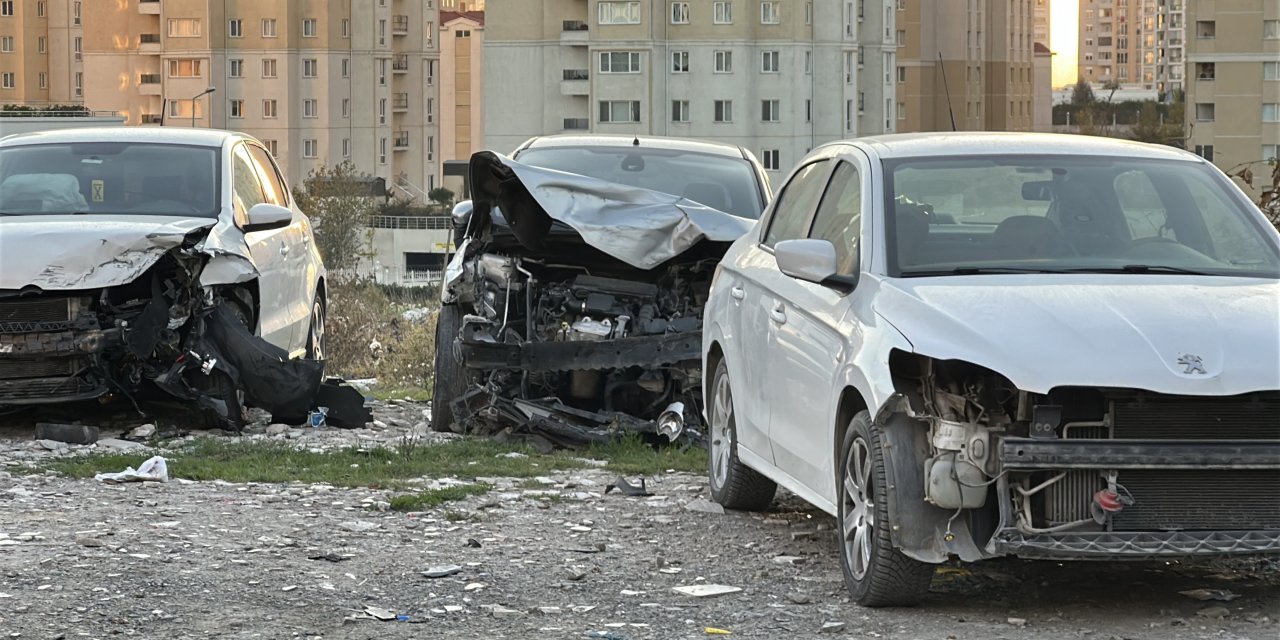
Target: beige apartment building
[(973, 61), (41, 45), (461, 83), (1041, 20), (778, 77), (1138, 44), (319, 81), (1233, 84)]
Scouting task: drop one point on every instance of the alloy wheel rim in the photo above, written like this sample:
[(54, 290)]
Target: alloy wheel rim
[(858, 523), (721, 433), (317, 331)]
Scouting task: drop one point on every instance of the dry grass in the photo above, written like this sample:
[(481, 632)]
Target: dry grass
[(368, 338)]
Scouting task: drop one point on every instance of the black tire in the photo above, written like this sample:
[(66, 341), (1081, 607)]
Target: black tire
[(876, 574), (451, 378), (316, 334), (733, 485)]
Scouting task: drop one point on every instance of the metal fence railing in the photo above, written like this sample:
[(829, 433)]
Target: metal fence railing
[(418, 223)]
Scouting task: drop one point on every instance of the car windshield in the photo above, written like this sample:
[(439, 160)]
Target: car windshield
[(719, 182), (109, 178), (1054, 213)]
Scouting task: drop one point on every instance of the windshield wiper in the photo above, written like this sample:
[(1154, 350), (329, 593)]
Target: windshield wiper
[(1143, 268), (972, 271)]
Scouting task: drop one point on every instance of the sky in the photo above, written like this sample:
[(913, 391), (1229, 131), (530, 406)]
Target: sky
[(1063, 18)]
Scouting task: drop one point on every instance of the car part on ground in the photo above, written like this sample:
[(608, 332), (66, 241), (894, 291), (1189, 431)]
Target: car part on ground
[(573, 308)]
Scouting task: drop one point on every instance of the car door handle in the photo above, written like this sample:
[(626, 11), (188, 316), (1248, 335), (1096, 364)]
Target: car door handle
[(778, 315), (738, 293), (284, 249)]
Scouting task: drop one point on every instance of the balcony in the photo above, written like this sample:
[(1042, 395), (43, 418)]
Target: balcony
[(149, 84), (576, 82), (574, 33), (149, 43), (401, 141), (576, 124), (149, 7), (400, 64), (400, 25), (400, 102), (152, 118)]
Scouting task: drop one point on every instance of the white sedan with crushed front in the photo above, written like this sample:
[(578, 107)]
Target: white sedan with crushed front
[(976, 345)]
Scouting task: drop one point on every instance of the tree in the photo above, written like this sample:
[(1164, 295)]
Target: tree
[(1112, 86), (1082, 93), (339, 203), (441, 196)]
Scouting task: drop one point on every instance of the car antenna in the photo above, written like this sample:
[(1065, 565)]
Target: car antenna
[(947, 91)]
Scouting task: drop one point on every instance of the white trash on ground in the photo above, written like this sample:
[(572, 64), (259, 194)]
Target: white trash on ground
[(155, 469)]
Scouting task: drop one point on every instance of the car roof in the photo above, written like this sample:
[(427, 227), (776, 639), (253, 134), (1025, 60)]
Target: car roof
[(958, 143), (621, 141), (150, 135)]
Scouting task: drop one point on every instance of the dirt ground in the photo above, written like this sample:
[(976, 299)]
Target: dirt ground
[(560, 560)]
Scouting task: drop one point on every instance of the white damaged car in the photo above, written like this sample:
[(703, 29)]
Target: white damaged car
[(976, 345), (144, 260)]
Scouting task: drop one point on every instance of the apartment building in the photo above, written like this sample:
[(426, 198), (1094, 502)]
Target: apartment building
[(461, 5), (1041, 20), (968, 63), (319, 81), (41, 45), (778, 77), (1233, 83), (461, 83), (1138, 44)]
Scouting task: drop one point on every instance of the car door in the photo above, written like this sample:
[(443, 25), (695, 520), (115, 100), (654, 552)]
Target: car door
[(268, 248), (755, 270), (296, 237), (808, 325)]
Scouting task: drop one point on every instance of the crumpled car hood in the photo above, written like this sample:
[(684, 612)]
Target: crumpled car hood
[(640, 227), (75, 252), (1132, 331)]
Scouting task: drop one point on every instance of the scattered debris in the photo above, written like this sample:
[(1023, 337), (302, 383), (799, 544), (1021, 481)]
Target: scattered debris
[(604, 635), (831, 627), (155, 469), (627, 489), (799, 598), (329, 557), (442, 571), (473, 586), (703, 505), (1210, 594), (116, 444), (1215, 612), (358, 526), (380, 614), (787, 560), (473, 543), (143, 432), (712, 631), (706, 590), (68, 433), (1017, 622), (345, 406)]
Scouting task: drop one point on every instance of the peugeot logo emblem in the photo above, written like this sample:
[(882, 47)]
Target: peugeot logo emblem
[(1191, 364)]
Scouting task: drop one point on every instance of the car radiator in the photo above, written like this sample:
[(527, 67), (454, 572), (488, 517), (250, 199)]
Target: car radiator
[(38, 314), (1180, 499)]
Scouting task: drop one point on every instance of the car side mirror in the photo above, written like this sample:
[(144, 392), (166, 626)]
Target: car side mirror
[(812, 261), (264, 216), (462, 213)]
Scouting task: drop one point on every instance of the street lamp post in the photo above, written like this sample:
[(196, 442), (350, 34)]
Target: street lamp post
[(193, 103)]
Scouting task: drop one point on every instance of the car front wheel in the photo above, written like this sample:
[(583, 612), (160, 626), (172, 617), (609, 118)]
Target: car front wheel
[(451, 378), (876, 574), (734, 485), (316, 336)]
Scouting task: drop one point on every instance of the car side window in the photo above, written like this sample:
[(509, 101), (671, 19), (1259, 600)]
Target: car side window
[(839, 217), (273, 185), (245, 183), (790, 217)]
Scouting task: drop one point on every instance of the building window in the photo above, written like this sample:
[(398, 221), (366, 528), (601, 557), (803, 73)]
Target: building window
[(346, 28), (6, 8), (431, 72), (308, 27), (310, 67), (346, 107), (769, 13), (382, 111), (78, 48), (1204, 112), (184, 68), (619, 111), (269, 68), (808, 13), (382, 32), (769, 110), (431, 110), (722, 13), (1206, 29), (771, 158), (186, 109), (6, 44), (382, 72), (42, 44), (1206, 71), (382, 150), (431, 152), (42, 9), (235, 28), (269, 108), (346, 68), (311, 108), (1271, 29), (679, 62), (679, 110), (310, 148), (808, 111), (1270, 151), (619, 62), (271, 147), (1271, 112), (902, 38), (75, 13), (268, 27), (724, 62), (44, 80), (1205, 151), (346, 147), (723, 111), (769, 61), (184, 27), (902, 111), (236, 109), (79, 83), (8, 80), (612, 12), (808, 62), (235, 68), (679, 13), (902, 74), (1271, 71)]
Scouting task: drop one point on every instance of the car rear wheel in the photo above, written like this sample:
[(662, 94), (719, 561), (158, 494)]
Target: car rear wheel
[(734, 485), (451, 378), (876, 574), (316, 336)]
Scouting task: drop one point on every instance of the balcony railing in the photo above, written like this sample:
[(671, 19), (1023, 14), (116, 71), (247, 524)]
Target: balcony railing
[(576, 124), (400, 25), (149, 38), (149, 78), (573, 25), (152, 118), (420, 223), (400, 102), (401, 140), (577, 74), (400, 63)]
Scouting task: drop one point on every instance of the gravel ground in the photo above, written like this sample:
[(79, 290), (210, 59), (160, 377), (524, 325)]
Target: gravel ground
[(219, 560)]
